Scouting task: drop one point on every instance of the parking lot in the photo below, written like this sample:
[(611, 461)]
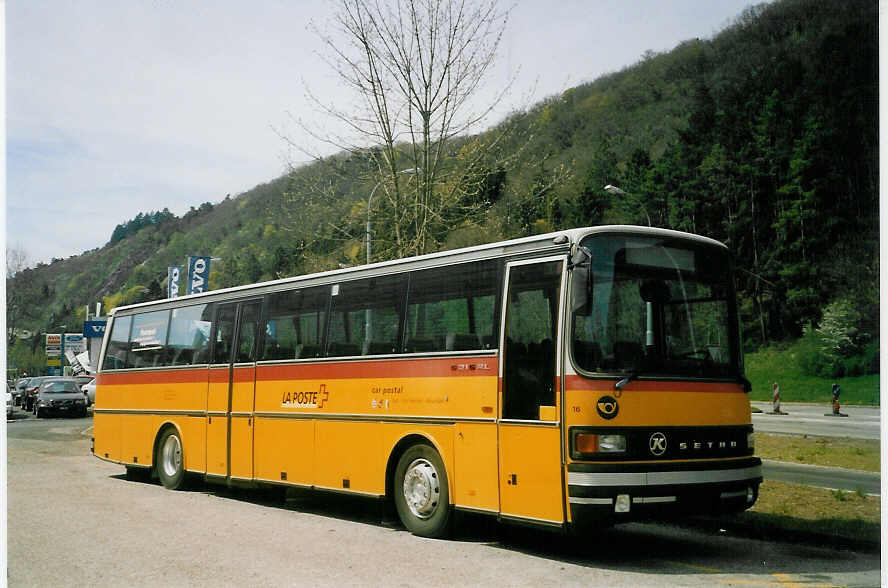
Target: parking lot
[(77, 521)]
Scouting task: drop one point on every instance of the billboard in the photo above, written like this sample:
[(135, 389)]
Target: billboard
[(53, 345), (174, 272), (75, 342), (94, 329), (198, 275)]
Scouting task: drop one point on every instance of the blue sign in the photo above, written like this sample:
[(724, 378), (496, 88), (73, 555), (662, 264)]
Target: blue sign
[(198, 275), (173, 273), (93, 329)]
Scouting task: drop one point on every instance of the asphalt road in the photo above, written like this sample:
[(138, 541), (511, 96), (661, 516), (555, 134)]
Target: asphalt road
[(77, 521), (822, 477), (862, 422)]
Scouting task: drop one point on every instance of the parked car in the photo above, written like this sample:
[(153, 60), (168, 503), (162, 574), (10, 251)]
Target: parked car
[(31, 391), (59, 396), (89, 389), (9, 401), (18, 393), (83, 379)]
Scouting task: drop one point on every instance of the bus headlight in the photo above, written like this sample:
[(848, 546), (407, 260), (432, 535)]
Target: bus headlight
[(750, 441), (611, 443), (588, 444)]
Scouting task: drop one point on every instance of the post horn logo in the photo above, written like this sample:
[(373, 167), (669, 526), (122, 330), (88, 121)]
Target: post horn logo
[(607, 407), (657, 444)]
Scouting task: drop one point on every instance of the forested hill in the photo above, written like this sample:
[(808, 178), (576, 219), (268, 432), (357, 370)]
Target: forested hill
[(763, 137)]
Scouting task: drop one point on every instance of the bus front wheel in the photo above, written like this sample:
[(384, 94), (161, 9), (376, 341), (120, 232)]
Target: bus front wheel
[(421, 492), (170, 460)]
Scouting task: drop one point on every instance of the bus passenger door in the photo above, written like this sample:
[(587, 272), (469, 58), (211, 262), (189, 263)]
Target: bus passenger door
[(529, 426), (231, 391), (243, 389), (219, 391)]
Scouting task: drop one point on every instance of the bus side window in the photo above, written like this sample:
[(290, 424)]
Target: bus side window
[(248, 333), (366, 317), (452, 308), (224, 334), (296, 323), (189, 335), (531, 324), (118, 345), (148, 339), (201, 341)]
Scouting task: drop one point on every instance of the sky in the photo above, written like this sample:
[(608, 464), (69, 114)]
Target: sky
[(115, 108)]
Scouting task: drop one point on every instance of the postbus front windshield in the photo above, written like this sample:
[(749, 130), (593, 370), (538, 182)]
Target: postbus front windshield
[(649, 305)]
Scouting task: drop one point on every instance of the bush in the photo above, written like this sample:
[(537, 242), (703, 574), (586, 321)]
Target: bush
[(871, 357), (810, 357), (814, 359), (838, 329)]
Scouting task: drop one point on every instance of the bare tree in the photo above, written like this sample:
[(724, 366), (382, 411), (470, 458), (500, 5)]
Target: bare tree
[(416, 68)]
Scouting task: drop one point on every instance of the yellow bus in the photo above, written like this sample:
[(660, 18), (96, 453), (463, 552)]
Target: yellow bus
[(589, 375)]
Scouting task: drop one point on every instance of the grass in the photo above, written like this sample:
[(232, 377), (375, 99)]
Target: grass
[(766, 366), (855, 454), (783, 507)]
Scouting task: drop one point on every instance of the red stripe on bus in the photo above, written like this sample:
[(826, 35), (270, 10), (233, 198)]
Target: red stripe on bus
[(219, 376), (408, 368), (156, 377), (242, 374)]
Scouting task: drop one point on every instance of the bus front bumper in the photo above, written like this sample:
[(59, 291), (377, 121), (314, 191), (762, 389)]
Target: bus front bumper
[(627, 492)]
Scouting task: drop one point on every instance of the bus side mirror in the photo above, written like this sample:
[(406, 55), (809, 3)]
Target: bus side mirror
[(581, 257), (581, 290), (580, 265)]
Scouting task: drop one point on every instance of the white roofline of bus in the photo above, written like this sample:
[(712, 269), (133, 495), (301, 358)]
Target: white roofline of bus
[(573, 237)]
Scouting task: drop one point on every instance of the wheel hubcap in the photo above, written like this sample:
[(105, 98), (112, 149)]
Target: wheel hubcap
[(421, 488), (171, 456)]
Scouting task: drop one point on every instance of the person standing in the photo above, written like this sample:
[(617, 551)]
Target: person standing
[(836, 392)]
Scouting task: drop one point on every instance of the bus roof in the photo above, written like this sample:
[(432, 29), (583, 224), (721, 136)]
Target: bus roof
[(554, 242)]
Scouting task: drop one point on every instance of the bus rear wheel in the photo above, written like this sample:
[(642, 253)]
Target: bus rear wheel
[(170, 462), (422, 496)]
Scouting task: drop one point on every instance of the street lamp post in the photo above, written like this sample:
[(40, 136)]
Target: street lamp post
[(611, 189)]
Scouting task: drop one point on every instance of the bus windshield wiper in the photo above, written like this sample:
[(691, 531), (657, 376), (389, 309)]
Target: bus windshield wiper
[(628, 378)]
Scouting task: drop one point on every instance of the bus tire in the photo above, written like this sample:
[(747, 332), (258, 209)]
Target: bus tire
[(170, 460), (421, 492)]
